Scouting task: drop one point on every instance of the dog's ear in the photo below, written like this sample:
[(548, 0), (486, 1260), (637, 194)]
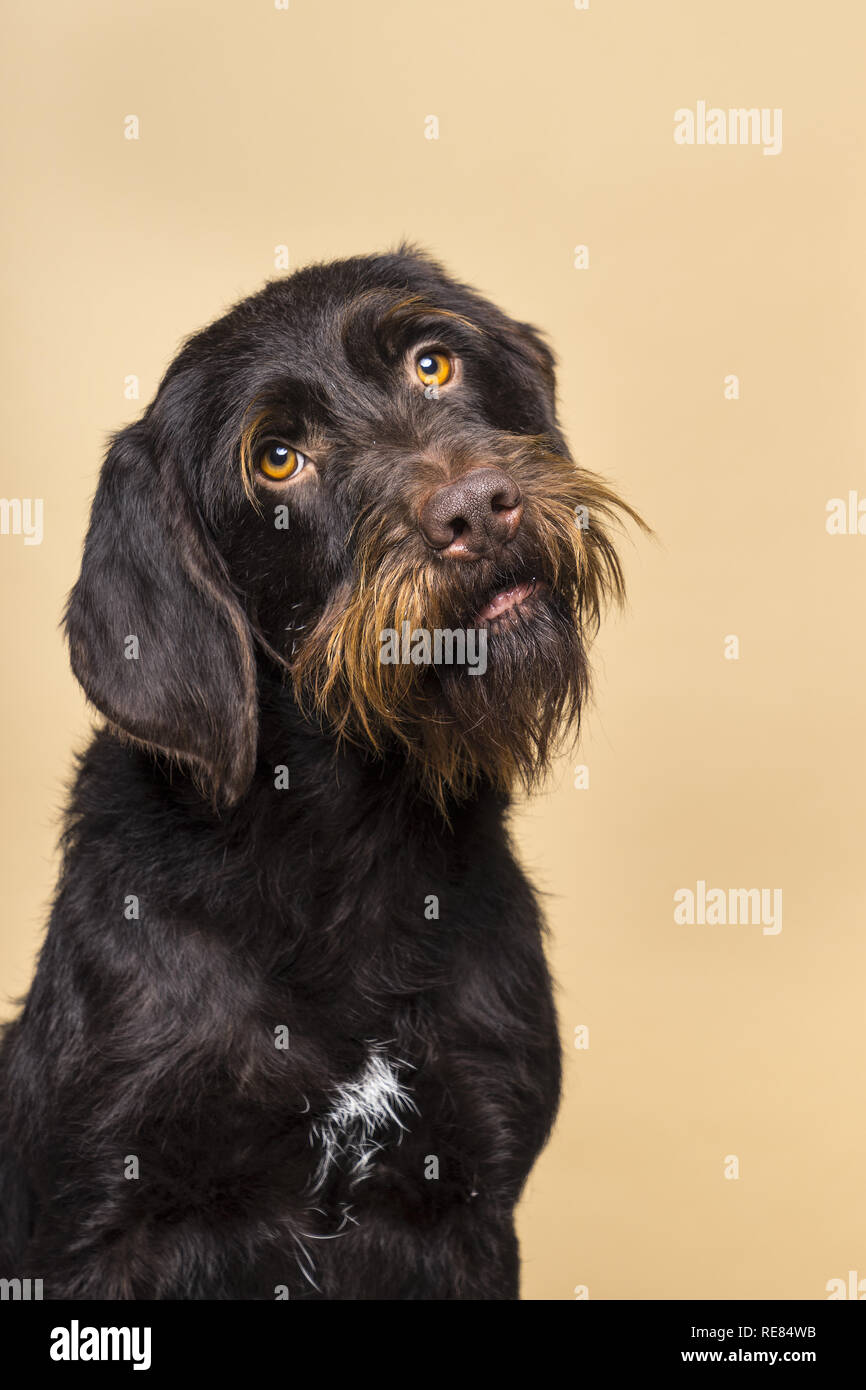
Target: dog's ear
[(534, 350), (157, 639)]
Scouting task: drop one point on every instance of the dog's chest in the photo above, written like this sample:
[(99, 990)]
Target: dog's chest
[(364, 1113)]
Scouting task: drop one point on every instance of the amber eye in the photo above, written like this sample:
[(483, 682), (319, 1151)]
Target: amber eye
[(434, 368), (279, 461)]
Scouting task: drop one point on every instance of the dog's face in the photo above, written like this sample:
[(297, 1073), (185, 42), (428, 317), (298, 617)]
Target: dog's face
[(359, 457)]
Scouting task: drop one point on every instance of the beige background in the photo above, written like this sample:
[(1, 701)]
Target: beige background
[(306, 127)]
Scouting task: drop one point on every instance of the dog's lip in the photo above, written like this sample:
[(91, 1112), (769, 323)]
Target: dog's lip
[(507, 598)]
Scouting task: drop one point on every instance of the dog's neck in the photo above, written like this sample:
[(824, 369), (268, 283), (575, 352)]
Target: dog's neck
[(299, 758)]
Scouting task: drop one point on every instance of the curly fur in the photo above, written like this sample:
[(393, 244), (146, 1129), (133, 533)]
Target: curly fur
[(157, 1139)]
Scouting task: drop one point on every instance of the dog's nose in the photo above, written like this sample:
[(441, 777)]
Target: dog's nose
[(474, 516)]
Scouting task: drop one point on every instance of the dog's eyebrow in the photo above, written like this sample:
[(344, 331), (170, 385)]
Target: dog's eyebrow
[(375, 313), (417, 306)]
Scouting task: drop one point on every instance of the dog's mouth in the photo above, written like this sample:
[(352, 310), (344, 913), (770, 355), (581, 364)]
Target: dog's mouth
[(510, 599)]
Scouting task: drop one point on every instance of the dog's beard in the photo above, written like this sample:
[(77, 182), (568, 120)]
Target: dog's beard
[(459, 729)]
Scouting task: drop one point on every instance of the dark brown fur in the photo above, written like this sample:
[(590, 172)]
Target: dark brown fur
[(306, 909)]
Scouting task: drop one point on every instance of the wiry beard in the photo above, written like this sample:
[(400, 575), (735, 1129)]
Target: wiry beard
[(458, 729)]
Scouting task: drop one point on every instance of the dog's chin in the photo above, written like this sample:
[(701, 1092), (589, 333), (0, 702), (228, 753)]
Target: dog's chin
[(494, 714), (500, 720)]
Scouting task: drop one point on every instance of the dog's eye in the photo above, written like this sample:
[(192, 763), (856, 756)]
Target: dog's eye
[(434, 368), (279, 461)]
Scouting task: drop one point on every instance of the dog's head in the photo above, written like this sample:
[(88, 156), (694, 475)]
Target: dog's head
[(358, 472)]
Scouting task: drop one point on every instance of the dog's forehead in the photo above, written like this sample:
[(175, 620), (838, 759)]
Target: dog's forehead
[(319, 353), (321, 313), (312, 347)]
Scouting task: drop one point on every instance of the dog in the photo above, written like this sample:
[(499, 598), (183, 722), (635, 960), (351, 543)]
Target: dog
[(292, 1033)]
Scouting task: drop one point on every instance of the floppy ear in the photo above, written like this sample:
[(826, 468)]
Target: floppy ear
[(157, 639)]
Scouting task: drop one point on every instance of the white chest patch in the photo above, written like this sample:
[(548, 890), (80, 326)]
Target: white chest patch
[(362, 1111)]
